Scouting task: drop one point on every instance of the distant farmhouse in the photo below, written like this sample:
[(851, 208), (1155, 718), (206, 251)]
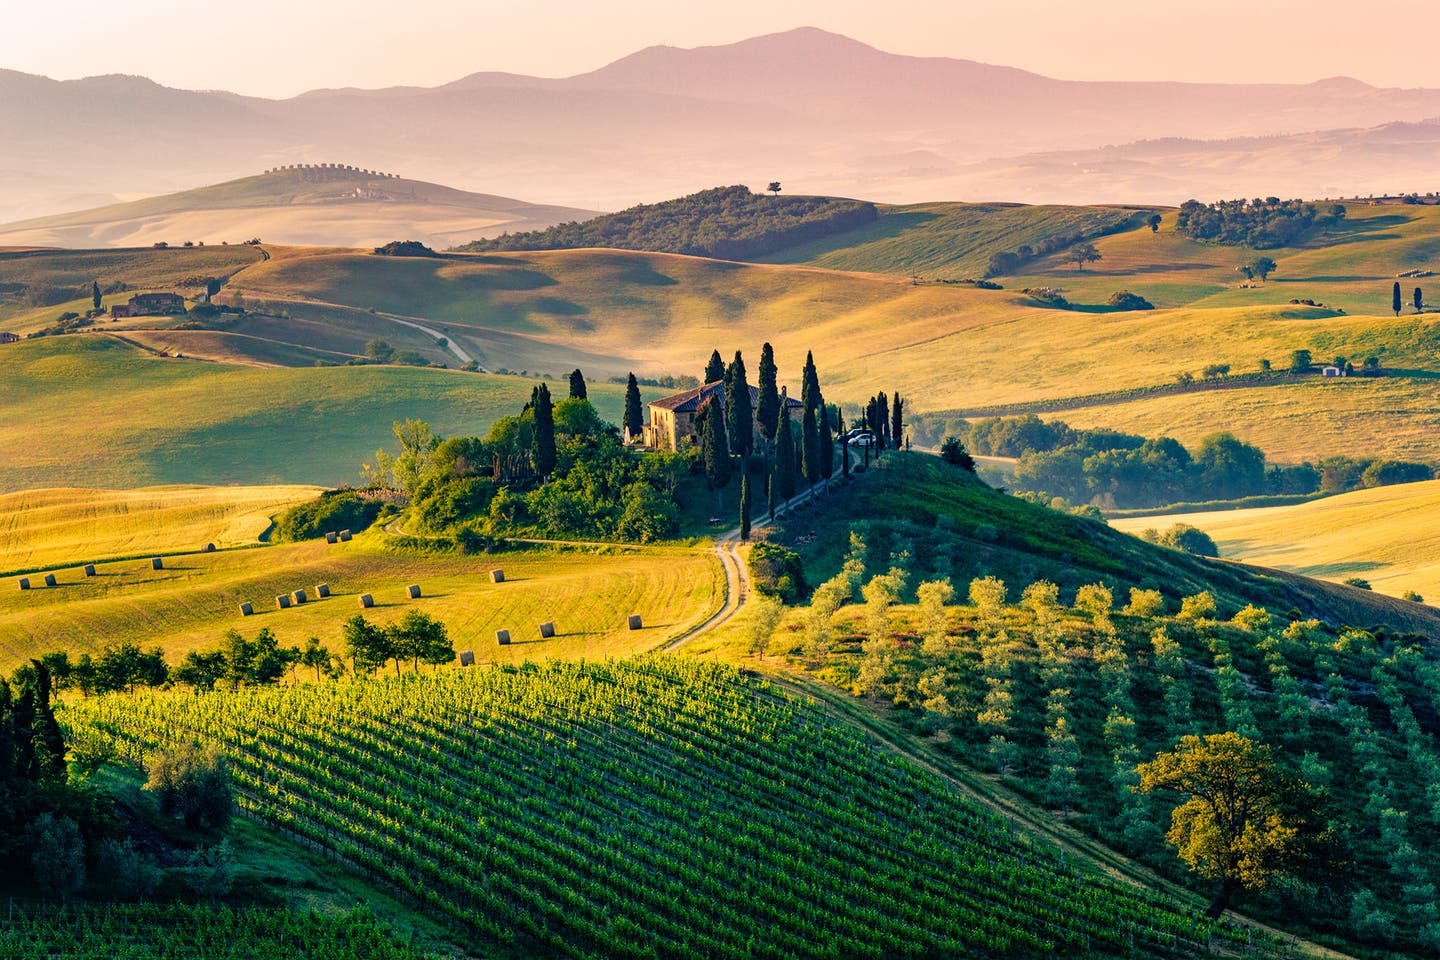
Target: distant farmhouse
[(672, 419), (7, 337), (149, 305)]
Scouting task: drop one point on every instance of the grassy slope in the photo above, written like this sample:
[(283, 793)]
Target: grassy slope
[(39, 528), (1388, 535), (112, 415), (192, 601)]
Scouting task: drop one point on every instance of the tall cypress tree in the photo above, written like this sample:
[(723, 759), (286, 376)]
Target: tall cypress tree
[(785, 455), (634, 422), (744, 504), (715, 369), (770, 493), (542, 441), (577, 385), (95, 294), (49, 742), (1395, 301), (767, 407), (809, 381), (882, 424), (897, 420), (826, 446), (739, 416), (1419, 300), (8, 775), (810, 444), (714, 452)]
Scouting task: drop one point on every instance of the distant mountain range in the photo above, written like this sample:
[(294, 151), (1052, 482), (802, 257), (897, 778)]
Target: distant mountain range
[(817, 111), (330, 206)]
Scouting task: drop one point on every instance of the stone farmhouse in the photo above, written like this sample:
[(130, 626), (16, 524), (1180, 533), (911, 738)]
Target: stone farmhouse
[(149, 305), (672, 419)]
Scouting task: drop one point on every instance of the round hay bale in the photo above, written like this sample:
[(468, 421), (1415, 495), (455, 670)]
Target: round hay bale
[(497, 576), (344, 534), (24, 583), (298, 596), (89, 569), (467, 658), (331, 537), (634, 621), (49, 579), (547, 629), (283, 602), (246, 609), (208, 548), (156, 563), (366, 601), (413, 591), (322, 590), (502, 637)]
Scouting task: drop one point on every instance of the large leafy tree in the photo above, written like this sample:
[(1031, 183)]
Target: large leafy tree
[(634, 422), (420, 637), (1082, 254), (767, 408), (1235, 824)]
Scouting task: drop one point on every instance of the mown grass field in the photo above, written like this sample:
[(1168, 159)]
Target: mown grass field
[(190, 603), (44, 527), (1389, 536), (88, 410)]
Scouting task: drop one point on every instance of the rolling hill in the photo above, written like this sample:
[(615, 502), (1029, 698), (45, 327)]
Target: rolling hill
[(325, 206)]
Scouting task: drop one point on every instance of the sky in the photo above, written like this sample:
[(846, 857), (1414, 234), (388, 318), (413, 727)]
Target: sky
[(278, 48)]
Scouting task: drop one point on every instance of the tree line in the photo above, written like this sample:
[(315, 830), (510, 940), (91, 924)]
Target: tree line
[(1260, 223)]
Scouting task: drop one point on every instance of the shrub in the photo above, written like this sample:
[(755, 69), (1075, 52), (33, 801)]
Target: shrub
[(405, 248), (192, 783), (1145, 603), (777, 571), (953, 451), (1359, 582), (1125, 300), (332, 510)]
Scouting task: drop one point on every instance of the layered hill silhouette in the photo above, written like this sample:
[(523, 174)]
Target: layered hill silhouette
[(336, 205), (820, 112)]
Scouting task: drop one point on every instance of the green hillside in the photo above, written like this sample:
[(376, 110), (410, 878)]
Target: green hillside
[(653, 807), (180, 421)]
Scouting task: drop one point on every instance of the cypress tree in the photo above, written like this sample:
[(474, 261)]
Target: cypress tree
[(714, 452), (897, 420), (810, 444), (882, 421), (826, 445), (844, 455), (744, 504), (95, 294), (739, 416), (767, 408), (23, 714), (577, 385), (7, 740), (634, 423), (1419, 300), (809, 381), (715, 369), (785, 455), (1395, 301), (770, 493), (542, 442), (49, 742)]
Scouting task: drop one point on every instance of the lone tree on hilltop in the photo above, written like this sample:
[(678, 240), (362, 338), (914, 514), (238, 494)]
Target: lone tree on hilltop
[(1235, 825), (1395, 301), (1419, 300), (1263, 267), (1154, 221), (774, 188), (1084, 253), (715, 369), (634, 420), (577, 385)]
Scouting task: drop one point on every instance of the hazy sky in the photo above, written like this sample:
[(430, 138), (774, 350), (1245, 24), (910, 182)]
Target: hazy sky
[(282, 47)]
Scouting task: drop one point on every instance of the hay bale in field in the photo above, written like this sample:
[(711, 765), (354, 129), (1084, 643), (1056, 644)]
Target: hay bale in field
[(345, 535), (502, 637), (634, 621), (24, 583), (413, 591), (283, 602), (156, 563), (89, 569), (547, 629), (49, 579), (208, 548), (497, 576), (246, 609), (322, 590), (467, 658), (298, 596), (331, 537), (366, 601)]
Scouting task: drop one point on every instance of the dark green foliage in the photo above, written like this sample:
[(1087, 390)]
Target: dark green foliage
[(542, 442), (365, 644), (405, 248), (95, 294), (1125, 300), (1182, 536), (57, 855), (193, 783), (1395, 302), (714, 447), (825, 442), (1300, 361), (778, 571), (810, 445), (739, 417), (1261, 224), (897, 420), (634, 421), (577, 385), (714, 368), (1154, 222), (1419, 300), (767, 409), (953, 451), (419, 637), (729, 223), (785, 466), (745, 505), (1359, 582), (332, 510)]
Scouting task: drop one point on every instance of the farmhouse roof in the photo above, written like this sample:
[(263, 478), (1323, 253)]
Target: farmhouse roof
[(689, 401)]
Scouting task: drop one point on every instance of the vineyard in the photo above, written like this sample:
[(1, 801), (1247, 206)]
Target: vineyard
[(153, 932), (646, 808)]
